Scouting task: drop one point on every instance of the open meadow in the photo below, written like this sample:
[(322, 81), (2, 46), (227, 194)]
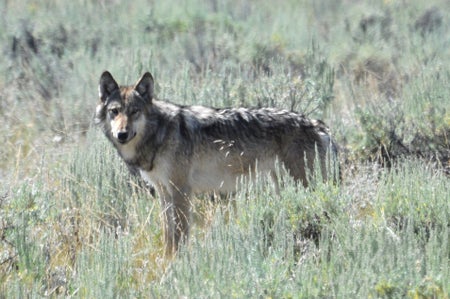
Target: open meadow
[(75, 223)]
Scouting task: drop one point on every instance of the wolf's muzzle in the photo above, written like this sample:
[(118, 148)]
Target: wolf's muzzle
[(122, 137)]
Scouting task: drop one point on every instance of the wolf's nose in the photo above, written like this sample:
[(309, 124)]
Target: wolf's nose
[(122, 136)]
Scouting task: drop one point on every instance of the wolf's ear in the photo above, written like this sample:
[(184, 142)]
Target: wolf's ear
[(106, 86), (145, 86)]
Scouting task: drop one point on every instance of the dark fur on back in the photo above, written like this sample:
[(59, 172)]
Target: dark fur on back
[(249, 125)]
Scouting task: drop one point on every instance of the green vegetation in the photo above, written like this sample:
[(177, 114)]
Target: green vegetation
[(74, 223)]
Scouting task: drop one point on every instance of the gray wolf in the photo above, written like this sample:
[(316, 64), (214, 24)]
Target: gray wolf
[(182, 150)]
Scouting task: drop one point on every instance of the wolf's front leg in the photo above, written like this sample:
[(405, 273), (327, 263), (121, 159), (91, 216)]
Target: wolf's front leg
[(176, 214)]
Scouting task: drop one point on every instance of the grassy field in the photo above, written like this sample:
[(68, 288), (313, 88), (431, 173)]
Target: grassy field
[(74, 223)]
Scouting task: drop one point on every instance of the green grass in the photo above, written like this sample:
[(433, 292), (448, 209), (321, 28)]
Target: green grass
[(74, 223), (98, 235)]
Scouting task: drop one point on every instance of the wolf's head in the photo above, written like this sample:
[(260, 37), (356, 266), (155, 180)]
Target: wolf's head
[(120, 109)]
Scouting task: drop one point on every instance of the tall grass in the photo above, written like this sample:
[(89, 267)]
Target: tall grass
[(74, 223), (98, 234)]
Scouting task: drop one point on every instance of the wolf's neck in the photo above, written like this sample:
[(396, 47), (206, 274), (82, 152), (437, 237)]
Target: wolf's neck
[(142, 153), (141, 156)]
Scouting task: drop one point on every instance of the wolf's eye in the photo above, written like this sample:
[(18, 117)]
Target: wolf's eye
[(114, 112), (134, 113)]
